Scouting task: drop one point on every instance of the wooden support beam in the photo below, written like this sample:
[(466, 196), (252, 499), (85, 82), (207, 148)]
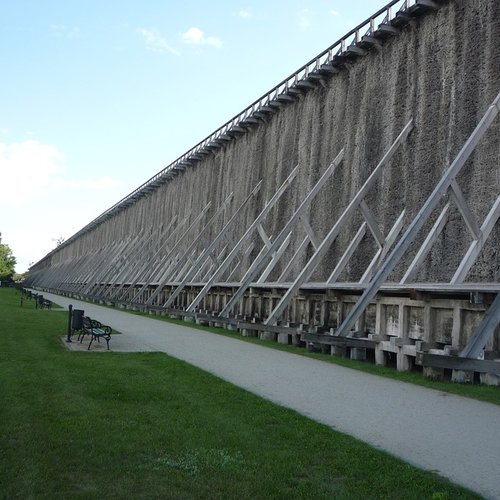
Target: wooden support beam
[(293, 260), (384, 249), (326, 339), (199, 238), (346, 256), (260, 327), (457, 363), (263, 235), (477, 245), (420, 219), (165, 261), (309, 231), (484, 331), (224, 234), (458, 197), (258, 220), (259, 263), (276, 257), (424, 250), (146, 267), (372, 223), (313, 262)]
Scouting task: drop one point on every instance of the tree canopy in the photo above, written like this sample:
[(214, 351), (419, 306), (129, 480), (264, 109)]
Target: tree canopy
[(7, 261)]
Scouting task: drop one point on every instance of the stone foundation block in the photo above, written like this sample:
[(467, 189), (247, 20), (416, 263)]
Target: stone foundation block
[(462, 377), (433, 373)]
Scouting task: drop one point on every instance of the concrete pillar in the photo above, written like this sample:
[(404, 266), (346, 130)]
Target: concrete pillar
[(380, 357), (403, 362), (358, 353), (284, 338), (462, 376), (490, 379), (268, 336), (339, 351), (433, 373), (249, 333), (380, 331)]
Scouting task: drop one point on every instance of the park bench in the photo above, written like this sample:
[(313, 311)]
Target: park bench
[(42, 302), (96, 330)]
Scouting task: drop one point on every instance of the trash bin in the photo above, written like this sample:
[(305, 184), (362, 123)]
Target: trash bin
[(77, 319)]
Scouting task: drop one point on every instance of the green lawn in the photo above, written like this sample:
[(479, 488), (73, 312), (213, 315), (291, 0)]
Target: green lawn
[(114, 425)]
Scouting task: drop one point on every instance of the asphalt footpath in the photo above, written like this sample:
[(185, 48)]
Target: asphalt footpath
[(456, 437)]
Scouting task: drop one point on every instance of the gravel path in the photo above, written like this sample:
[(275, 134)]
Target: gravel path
[(458, 438)]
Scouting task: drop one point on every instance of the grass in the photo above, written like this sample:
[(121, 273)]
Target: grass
[(114, 425), (487, 393)]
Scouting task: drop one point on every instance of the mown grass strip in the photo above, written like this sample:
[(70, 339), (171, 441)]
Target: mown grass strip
[(114, 425)]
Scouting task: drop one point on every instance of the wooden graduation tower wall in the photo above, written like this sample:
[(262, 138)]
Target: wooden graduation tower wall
[(353, 208)]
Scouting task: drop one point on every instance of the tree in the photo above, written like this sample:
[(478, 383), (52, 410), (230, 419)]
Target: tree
[(7, 261)]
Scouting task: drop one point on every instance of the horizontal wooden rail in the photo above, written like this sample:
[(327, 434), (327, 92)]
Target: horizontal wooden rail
[(457, 363)]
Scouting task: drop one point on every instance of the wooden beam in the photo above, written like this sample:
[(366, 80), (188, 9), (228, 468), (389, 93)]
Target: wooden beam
[(259, 263), (477, 245), (250, 230), (458, 197), (325, 245), (484, 331), (326, 339), (457, 363), (420, 219), (424, 250), (353, 245)]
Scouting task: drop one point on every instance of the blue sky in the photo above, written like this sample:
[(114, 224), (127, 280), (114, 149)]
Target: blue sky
[(98, 96)]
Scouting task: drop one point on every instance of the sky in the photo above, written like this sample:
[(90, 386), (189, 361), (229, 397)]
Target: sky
[(97, 96)]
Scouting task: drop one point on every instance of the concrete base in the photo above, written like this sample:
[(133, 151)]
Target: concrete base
[(248, 333), (403, 362), (338, 351), (310, 347), (462, 377), (490, 379), (268, 336), (284, 338), (433, 373), (358, 353), (380, 357)]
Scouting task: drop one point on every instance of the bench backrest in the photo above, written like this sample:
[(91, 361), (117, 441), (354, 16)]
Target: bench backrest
[(87, 322)]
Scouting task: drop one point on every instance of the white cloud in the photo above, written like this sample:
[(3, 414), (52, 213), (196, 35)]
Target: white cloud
[(33, 170), (40, 201), (244, 14), (305, 20), (27, 168), (194, 36), (335, 13), (156, 42), (100, 184), (62, 31)]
